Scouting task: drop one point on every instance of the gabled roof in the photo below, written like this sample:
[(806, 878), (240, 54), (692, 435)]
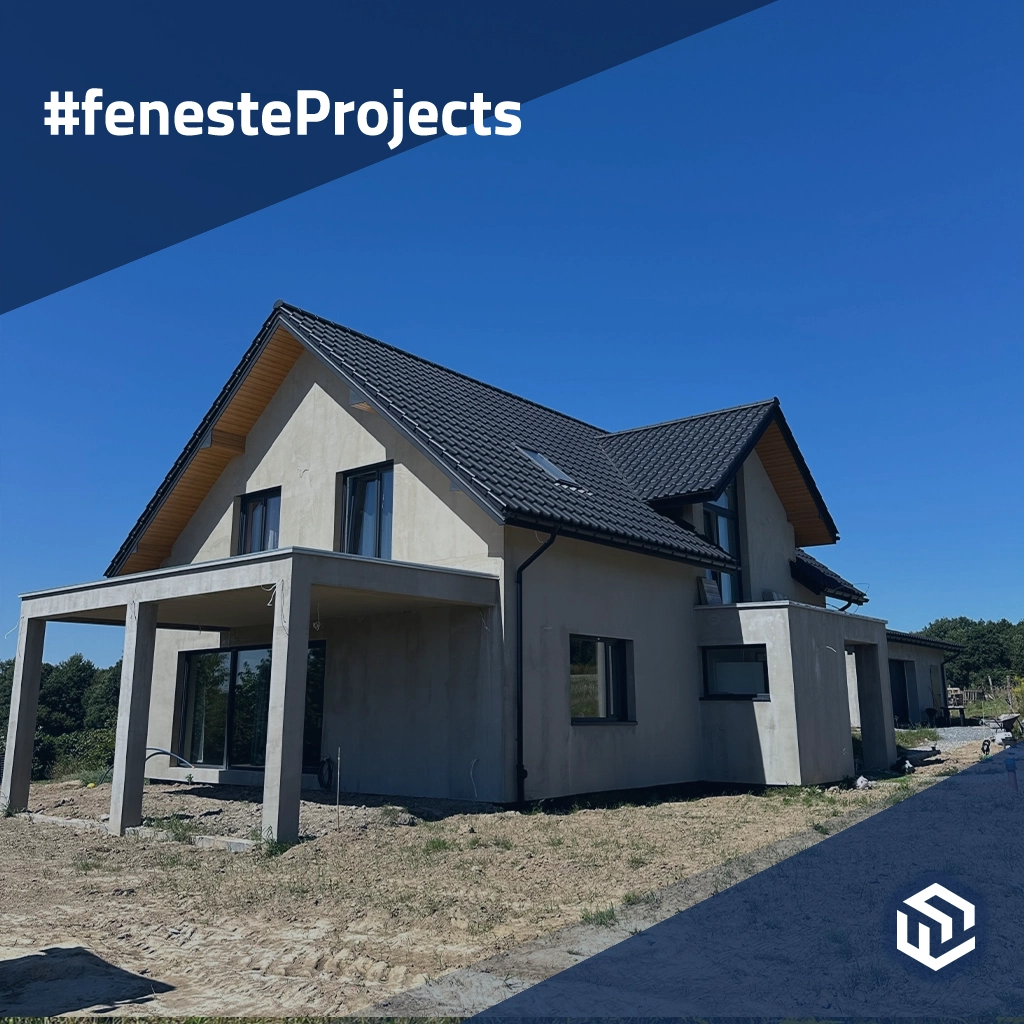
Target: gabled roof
[(820, 579), (478, 434), (894, 636), (691, 460)]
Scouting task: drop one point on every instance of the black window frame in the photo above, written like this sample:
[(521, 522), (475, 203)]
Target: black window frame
[(181, 702), (707, 695), (626, 701), (350, 477), (245, 504), (710, 511)]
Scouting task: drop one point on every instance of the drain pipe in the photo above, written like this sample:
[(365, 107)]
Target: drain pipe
[(520, 766)]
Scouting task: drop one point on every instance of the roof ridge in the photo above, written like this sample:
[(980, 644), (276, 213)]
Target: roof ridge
[(440, 366), (694, 416)]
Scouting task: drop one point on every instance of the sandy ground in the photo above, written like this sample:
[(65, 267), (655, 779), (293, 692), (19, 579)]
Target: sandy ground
[(398, 896)]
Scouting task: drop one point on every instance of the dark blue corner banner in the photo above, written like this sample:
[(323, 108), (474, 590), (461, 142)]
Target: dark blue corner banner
[(94, 188), (917, 911)]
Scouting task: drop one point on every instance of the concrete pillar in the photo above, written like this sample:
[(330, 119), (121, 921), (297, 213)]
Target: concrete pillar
[(875, 699), (282, 780), (133, 717), (21, 728)]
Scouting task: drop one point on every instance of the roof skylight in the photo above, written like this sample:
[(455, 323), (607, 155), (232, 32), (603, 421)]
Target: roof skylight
[(548, 466)]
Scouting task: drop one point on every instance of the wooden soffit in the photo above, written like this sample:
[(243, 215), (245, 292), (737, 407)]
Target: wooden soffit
[(796, 495), (221, 443)]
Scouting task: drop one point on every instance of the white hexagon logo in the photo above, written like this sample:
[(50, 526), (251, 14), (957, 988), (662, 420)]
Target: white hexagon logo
[(922, 951)]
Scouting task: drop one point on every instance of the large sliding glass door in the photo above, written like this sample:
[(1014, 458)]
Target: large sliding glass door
[(225, 700)]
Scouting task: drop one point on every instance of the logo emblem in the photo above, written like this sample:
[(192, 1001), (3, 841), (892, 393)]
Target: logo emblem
[(922, 952)]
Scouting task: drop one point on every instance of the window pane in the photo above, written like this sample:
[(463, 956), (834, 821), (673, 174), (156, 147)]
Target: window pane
[(583, 683), (737, 671), (272, 528), (726, 541), (312, 729), (251, 702), (617, 680), (387, 489), (206, 724), (727, 586), (362, 518), (257, 518)]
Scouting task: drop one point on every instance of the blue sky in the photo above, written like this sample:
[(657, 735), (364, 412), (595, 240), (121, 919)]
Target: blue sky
[(817, 201)]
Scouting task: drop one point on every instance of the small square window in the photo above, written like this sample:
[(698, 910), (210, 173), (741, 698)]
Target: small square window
[(598, 685), (259, 526), (736, 672)]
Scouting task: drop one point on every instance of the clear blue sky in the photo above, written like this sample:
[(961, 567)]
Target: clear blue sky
[(822, 202)]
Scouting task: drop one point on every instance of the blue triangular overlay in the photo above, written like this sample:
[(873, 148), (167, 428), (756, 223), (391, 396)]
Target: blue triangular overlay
[(816, 935), (74, 206)]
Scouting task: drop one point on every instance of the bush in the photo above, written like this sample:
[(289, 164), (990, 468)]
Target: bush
[(59, 757)]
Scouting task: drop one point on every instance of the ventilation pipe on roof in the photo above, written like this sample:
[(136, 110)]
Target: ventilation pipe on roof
[(520, 766)]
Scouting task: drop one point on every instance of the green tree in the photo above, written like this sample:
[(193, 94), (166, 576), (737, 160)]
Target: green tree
[(60, 695), (991, 648), (99, 701)]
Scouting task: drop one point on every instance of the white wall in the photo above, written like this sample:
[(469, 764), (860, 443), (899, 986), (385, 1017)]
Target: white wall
[(924, 659), (307, 435), (583, 588), (750, 741)]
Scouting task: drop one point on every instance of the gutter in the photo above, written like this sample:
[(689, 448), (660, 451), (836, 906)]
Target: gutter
[(520, 766)]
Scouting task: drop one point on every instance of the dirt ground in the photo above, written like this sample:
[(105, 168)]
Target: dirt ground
[(399, 895)]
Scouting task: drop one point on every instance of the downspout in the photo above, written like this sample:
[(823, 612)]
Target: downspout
[(520, 766)]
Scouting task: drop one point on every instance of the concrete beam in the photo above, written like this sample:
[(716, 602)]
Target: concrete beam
[(21, 729), (243, 572), (282, 783), (133, 717)]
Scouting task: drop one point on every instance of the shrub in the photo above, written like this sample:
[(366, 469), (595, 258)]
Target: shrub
[(73, 753)]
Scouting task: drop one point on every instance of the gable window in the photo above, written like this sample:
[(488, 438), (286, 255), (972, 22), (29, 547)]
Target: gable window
[(259, 526), (598, 685), (721, 527), (368, 503), (736, 673)]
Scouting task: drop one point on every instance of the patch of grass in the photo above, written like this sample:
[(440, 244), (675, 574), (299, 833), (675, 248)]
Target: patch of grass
[(555, 841), (948, 771), (87, 864), (821, 829), (910, 738), (635, 899), (636, 861), (268, 846), (502, 843), (439, 845), (900, 791), (181, 827), (599, 918)]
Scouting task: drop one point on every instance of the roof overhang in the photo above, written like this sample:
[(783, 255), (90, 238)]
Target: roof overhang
[(894, 636), (776, 447)]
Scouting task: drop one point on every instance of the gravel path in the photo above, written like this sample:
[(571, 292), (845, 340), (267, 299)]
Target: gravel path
[(955, 735)]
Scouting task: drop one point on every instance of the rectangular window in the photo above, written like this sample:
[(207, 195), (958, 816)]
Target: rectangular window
[(721, 527), (598, 690), (737, 672), (225, 706), (259, 526), (368, 502)]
